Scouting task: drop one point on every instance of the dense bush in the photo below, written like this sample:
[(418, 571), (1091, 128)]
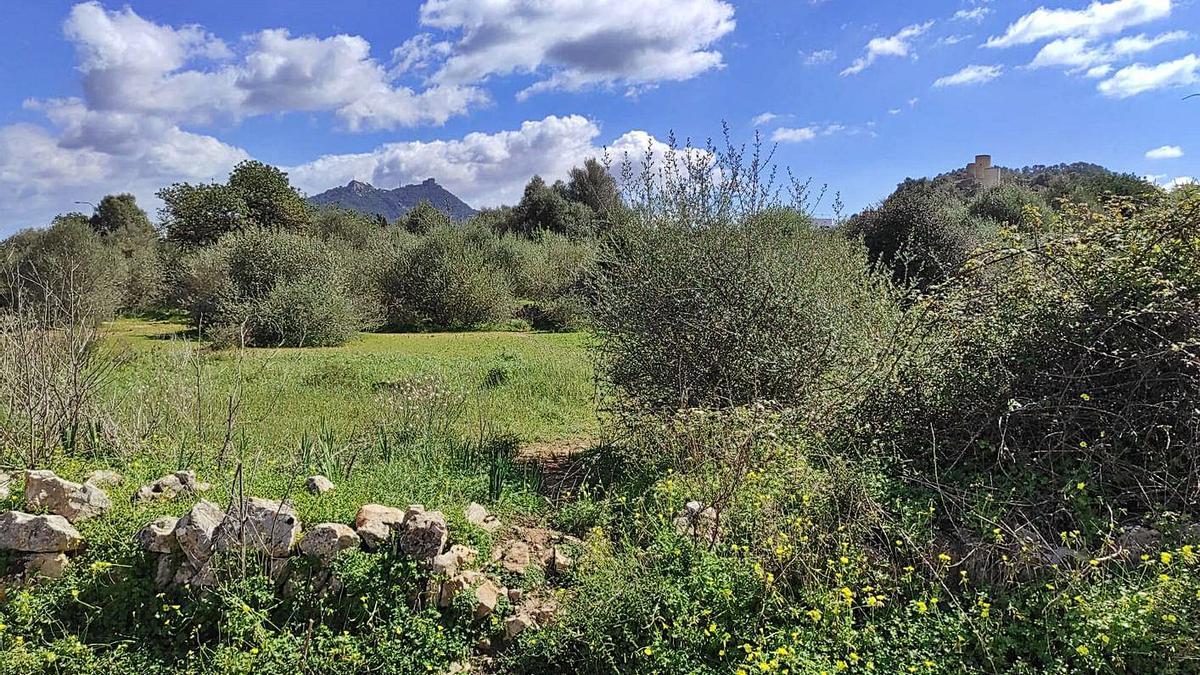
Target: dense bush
[(1069, 358), (1011, 205), (734, 312), (66, 269), (451, 278), (273, 289), (920, 233), (549, 273)]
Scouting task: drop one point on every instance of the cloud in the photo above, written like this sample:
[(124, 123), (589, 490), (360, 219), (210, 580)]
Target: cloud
[(1096, 20), (896, 45), (1181, 181), (816, 58), (972, 74), (41, 174), (975, 14), (185, 75), (803, 134), (572, 45), (1140, 78), (1165, 152), (483, 169), (764, 118), (1077, 53)]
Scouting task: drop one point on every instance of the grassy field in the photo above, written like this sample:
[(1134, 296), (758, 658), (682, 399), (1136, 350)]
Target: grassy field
[(304, 411), (534, 386)]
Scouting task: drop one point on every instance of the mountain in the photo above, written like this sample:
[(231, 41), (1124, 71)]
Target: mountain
[(391, 204)]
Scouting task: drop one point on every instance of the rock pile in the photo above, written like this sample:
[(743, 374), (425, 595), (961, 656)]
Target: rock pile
[(41, 541), (187, 548)]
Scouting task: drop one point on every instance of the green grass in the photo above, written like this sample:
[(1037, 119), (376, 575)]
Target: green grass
[(547, 390)]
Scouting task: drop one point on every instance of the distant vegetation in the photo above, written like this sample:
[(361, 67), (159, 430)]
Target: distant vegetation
[(956, 432)]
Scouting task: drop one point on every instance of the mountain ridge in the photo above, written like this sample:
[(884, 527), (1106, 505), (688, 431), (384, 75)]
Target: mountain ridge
[(392, 204)]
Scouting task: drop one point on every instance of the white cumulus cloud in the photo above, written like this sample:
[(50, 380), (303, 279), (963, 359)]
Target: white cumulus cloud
[(1140, 78), (571, 44), (1165, 152)]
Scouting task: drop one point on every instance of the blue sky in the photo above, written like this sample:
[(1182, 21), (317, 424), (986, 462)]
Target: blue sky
[(103, 97)]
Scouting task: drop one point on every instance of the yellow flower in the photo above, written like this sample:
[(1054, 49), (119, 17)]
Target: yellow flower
[(647, 651), (1083, 650), (814, 614), (1165, 558), (921, 606), (944, 557)]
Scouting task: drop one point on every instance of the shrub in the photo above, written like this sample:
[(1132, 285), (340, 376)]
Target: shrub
[(1066, 359), (1009, 205), (273, 288), (451, 278), (921, 233), (66, 270), (733, 312)]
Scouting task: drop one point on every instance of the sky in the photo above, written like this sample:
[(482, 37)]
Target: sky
[(106, 97)]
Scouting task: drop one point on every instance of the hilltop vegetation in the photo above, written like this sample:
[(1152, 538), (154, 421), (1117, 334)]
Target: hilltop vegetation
[(958, 432)]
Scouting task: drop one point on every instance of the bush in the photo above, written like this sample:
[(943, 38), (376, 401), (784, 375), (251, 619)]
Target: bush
[(273, 288), (1063, 360), (1010, 205), (66, 270), (921, 233), (452, 278), (734, 312)]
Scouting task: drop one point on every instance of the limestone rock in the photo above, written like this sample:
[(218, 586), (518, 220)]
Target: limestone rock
[(697, 522), (318, 485), (196, 532), (375, 524), (563, 561), (6, 481), (158, 536), (487, 592), (514, 556), (164, 571), (326, 540), (48, 565), (423, 534), (479, 517), (517, 624), (453, 561), (103, 478), (37, 534), (75, 502), (1137, 541), (260, 525), (171, 486)]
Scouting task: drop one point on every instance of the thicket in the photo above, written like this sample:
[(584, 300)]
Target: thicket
[(946, 481)]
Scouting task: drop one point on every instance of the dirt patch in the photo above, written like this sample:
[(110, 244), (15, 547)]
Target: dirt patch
[(558, 462)]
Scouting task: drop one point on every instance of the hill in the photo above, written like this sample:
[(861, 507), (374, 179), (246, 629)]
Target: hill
[(391, 204)]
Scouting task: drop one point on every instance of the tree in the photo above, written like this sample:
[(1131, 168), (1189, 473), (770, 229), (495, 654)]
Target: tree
[(125, 228), (543, 207), (594, 186), (121, 213), (197, 215), (423, 218), (271, 201)]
